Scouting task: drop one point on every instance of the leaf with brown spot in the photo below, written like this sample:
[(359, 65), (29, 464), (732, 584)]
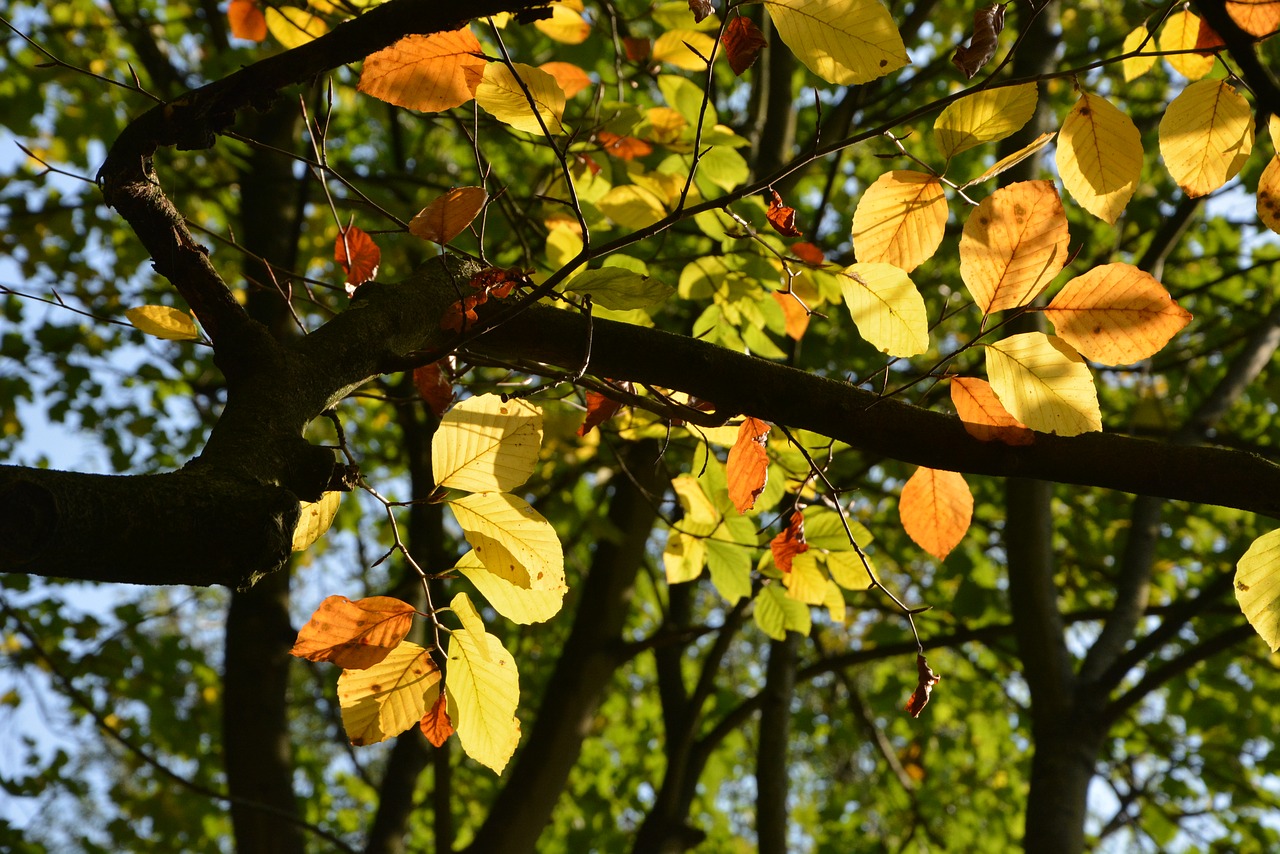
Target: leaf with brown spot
[(748, 465), (358, 255), (781, 217), (925, 681), (789, 543), (435, 724), (987, 24), (354, 635), (448, 216), (742, 42), (432, 382)]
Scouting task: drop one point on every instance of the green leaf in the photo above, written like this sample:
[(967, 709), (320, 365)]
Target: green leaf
[(620, 290), (776, 613)]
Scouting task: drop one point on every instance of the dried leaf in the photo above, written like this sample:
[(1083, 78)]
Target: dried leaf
[(742, 42), (748, 465), (637, 48), (987, 24), (781, 217), (701, 9), (358, 255), (433, 383), (435, 724), (600, 409), (354, 635), (789, 543), (448, 216), (924, 687)]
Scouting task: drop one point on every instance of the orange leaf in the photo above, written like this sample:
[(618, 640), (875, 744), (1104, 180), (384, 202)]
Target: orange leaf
[(435, 724), (789, 543), (748, 465), (984, 416), (781, 217), (900, 219), (448, 216), (925, 681), (742, 42), (358, 256), (599, 410), (433, 384), (808, 253), (936, 508), (246, 20), (1116, 314), (1208, 41), (570, 77), (354, 635), (1256, 17), (987, 24), (797, 319), (428, 73), (623, 147), (1013, 244)]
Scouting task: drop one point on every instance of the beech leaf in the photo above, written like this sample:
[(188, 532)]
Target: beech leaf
[(246, 20), (358, 255), (789, 542), (435, 724), (162, 321), (925, 681), (988, 21), (936, 508), (386, 699), (429, 73), (742, 42), (354, 635), (1013, 244), (1116, 314), (984, 416), (748, 465), (448, 216), (432, 382), (314, 518)]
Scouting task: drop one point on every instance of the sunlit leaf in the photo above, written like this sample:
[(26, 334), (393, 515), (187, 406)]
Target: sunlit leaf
[(925, 681), (433, 383), (1258, 587), (789, 542), (501, 96), (354, 635), (1258, 18), (805, 581), (358, 255), (449, 215), (936, 508), (386, 699), (887, 308), (985, 116), (776, 613), (483, 690), (314, 519), (1044, 384), (246, 20), (632, 207), (1136, 66), (1205, 136), (570, 77), (782, 217), (841, 41), (984, 416), (294, 27), (900, 219), (681, 48), (511, 539), (1099, 157), (623, 147), (1181, 32), (742, 42), (620, 290), (566, 24), (519, 604), (427, 73), (162, 321), (1269, 195), (684, 557), (1116, 314), (748, 465), (599, 410), (435, 724), (487, 444), (1009, 161), (1013, 245)]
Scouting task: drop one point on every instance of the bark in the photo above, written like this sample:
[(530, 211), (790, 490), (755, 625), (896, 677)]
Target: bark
[(771, 751)]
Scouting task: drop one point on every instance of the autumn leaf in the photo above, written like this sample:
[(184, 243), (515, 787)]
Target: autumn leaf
[(701, 9), (984, 416), (748, 465), (511, 539), (842, 41), (1207, 39), (986, 116), (294, 27), (162, 321), (1136, 66), (790, 542), (1181, 32), (699, 515), (687, 50), (683, 557), (386, 699), (988, 21), (487, 444), (523, 605), (742, 42), (1206, 136), (1010, 160), (435, 724), (900, 219), (354, 635), (1116, 314), (887, 308), (924, 687), (809, 254), (246, 20), (637, 48), (314, 519), (1044, 384), (566, 24), (1013, 244), (449, 215), (570, 77), (428, 73), (936, 508), (794, 315), (1258, 18), (1268, 201), (502, 95), (433, 383), (358, 255), (804, 580), (1099, 157), (483, 692), (599, 410), (781, 217), (1258, 587), (623, 147)]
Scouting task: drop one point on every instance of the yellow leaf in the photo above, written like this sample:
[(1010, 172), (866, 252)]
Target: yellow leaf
[(314, 518), (834, 601), (294, 27), (566, 24), (1137, 66), (1181, 31), (1269, 195), (684, 557), (936, 508), (1099, 157), (681, 48), (1205, 136), (512, 540), (1044, 384), (162, 321), (1258, 587), (847, 570), (518, 604), (886, 307), (841, 41), (1273, 130), (776, 613), (1116, 314), (1258, 18), (354, 635), (571, 78), (1013, 244), (984, 416), (386, 699), (900, 219), (1009, 161), (449, 215), (805, 582), (700, 515), (483, 690), (471, 622), (428, 73), (631, 206), (985, 116), (486, 444), (501, 96)]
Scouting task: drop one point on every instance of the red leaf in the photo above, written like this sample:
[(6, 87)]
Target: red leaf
[(637, 48), (354, 635), (809, 254), (623, 147), (789, 543), (599, 409), (358, 255), (987, 24), (701, 9), (435, 724), (748, 465), (924, 687), (433, 384), (246, 20), (1207, 40), (781, 217), (742, 42), (497, 282)]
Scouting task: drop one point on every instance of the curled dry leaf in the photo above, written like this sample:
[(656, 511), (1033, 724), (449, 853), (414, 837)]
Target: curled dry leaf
[(701, 9), (600, 409), (448, 216), (432, 382), (790, 542), (748, 465), (742, 42), (987, 24), (358, 255), (491, 281), (354, 635), (435, 724), (781, 217), (925, 681)]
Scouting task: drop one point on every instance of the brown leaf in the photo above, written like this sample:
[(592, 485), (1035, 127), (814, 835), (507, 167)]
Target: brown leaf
[(623, 147), (448, 216), (748, 466), (358, 255), (924, 687), (432, 382), (781, 217), (987, 24), (246, 20), (354, 635), (637, 48), (462, 313), (701, 9), (789, 543), (435, 724), (1207, 40), (599, 409), (742, 42)]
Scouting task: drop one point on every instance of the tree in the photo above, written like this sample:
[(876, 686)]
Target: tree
[(775, 238)]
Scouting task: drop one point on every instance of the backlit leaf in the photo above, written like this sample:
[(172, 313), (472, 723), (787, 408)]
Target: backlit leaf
[(782, 217), (314, 519), (501, 96), (985, 116), (984, 416), (566, 24), (358, 255), (684, 557), (742, 42), (1116, 314), (729, 565), (620, 290), (748, 465), (776, 613), (841, 41), (1205, 136), (511, 539), (599, 410), (1136, 66), (435, 724), (699, 514), (523, 605), (925, 681), (1013, 244), (1258, 587), (1044, 384), (486, 444), (936, 508), (449, 215), (246, 21), (797, 319), (805, 582), (432, 382), (1269, 195), (789, 542), (1009, 161), (681, 48), (162, 321), (354, 635), (1099, 157), (1181, 31), (988, 21), (631, 206), (900, 219), (483, 690), (570, 77), (886, 307), (428, 73), (623, 147), (1256, 17), (294, 27), (386, 699)]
